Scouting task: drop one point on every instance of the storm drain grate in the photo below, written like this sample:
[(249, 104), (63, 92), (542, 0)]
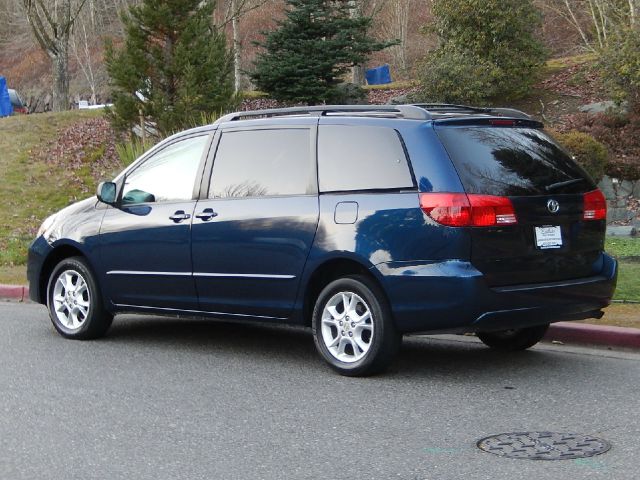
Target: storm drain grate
[(543, 445)]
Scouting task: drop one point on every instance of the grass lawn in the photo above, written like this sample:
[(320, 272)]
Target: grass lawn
[(31, 188)]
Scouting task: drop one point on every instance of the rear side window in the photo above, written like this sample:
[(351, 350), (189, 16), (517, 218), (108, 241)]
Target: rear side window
[(361, 158), (511, 161), (254, 163)]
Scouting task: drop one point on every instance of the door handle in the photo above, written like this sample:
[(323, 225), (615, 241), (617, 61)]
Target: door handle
[(206, 214), (179, 216)]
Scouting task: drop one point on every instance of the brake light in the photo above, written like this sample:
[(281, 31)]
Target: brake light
[(595, 206), (503, 123), (472, 210)]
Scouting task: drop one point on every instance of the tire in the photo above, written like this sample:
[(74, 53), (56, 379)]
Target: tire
[(514, 340), (364, 345), (75, 305)]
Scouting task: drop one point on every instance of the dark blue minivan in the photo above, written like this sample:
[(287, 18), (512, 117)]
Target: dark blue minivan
[(362, 222)]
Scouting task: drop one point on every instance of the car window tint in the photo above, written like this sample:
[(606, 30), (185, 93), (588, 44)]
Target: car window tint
[(254, 163), (361, 158), (511, 161), (168, 175)]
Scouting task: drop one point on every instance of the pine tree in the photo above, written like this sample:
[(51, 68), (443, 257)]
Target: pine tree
[(174, 66), (316, 44)]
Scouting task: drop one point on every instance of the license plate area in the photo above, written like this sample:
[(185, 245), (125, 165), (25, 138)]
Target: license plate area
[(548, 236)]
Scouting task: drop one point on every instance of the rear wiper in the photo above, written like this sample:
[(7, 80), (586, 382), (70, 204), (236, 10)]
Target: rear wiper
[(553, 186)]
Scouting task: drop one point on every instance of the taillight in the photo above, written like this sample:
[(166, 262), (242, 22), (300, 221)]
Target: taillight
[(595, 206), (472, 210)]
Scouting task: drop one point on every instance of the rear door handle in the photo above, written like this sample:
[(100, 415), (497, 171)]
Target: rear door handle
[(206, 214), (180, 216)]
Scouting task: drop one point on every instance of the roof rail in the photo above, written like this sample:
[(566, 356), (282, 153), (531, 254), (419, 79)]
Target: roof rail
[(404, 111), (451, 107)]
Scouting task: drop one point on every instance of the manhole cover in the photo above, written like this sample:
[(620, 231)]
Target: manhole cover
[(543, 445)]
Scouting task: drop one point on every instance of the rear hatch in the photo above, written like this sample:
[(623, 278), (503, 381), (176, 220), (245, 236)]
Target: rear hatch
[(554, 235)]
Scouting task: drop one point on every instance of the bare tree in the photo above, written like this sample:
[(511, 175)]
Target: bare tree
[(595, 20), (51, 24), (359, 8), (234, 10)]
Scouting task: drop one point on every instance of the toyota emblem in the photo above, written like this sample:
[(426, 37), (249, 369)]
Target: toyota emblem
[(553, 206)]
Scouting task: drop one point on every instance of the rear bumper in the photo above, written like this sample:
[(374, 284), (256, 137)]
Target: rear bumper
[(453, 296)]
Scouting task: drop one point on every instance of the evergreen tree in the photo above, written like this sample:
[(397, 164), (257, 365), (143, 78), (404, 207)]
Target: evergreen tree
[(174, 66), (487, 48), (316, 44)]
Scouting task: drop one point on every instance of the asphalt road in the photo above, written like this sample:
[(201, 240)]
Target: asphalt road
[(194, 399)]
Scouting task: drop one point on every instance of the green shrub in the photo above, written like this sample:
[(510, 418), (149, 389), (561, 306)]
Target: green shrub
[(487, 48), (587, 151), (453, 76), (620, 64)]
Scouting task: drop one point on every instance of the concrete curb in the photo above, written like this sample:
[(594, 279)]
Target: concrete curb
[(14, 292), (583, 333)]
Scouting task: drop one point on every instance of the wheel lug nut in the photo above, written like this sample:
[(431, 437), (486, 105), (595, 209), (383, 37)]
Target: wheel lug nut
[(353, 324), (342, 333), (341, 322), (351, 334)]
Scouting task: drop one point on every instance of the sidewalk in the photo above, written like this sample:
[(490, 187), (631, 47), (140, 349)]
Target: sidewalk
[(564, 332)]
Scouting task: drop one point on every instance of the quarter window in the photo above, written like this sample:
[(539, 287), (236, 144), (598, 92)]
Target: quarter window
[(253, 163), (168, 175), (361, 158)]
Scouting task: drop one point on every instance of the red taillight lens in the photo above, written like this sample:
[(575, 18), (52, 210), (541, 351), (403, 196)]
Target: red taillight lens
[(451, 209), (595, 206), (461, 210), (488, 210)]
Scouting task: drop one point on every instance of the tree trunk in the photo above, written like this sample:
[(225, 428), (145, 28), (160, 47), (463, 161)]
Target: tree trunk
[(357, 71), (357, 75), (237, 73), (60, 64)]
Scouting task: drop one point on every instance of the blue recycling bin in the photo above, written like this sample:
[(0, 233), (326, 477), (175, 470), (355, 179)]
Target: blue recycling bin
[(378, 75), (6, 108)]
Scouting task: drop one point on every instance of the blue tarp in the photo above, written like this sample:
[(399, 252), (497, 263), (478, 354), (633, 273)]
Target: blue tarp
[(378, 75), (6, 108)]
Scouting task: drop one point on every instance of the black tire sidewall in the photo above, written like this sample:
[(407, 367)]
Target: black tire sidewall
[(385, 338), (96, 316), (522, 339)]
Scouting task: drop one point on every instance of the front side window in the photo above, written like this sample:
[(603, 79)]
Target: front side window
[(169, 175), (255, 163)]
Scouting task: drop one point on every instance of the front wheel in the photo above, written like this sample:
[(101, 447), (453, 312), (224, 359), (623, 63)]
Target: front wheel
[(513, 340), (74, 301), (353, 327)]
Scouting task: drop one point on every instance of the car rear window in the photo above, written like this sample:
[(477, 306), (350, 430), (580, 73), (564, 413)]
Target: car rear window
[(361, 158), (511, 161)]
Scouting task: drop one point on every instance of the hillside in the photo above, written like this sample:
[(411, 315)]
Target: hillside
[(48, 161)]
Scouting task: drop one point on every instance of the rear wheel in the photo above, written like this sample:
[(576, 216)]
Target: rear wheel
[(353, 327), (75, 305), (516, 339)]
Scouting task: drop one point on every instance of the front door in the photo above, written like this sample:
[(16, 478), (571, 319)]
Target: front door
[(146, 243), (252, 236)]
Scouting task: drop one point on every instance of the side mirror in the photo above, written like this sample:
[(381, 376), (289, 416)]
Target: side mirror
[(107, 193)]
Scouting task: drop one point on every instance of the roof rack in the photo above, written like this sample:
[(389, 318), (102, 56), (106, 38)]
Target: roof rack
[(402, 111), (454, 108), (416, 111)]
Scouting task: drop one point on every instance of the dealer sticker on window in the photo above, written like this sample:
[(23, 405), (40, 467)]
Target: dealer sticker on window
[(548, 237)]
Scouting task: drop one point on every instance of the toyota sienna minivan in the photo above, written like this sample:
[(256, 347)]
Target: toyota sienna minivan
[(363, 223)]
